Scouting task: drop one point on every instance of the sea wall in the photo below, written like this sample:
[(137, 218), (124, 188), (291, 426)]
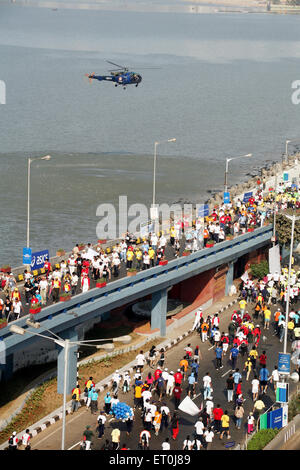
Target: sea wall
[(267, 175)]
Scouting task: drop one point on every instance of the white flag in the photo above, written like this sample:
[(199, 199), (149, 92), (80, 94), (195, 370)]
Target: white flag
[(188, 406)]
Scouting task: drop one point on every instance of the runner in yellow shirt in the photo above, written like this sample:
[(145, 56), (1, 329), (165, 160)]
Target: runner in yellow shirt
[(225, 425), (267, 315), (242, 304)]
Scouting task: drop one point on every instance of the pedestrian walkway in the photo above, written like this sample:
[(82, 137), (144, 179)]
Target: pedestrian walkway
[(174, 335)]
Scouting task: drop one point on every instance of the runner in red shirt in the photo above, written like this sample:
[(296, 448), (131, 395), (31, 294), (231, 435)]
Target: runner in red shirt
[(178, 377), (48, 267), (177, 391), (157, 373), (217, 413), (263, 359), (257, 333)]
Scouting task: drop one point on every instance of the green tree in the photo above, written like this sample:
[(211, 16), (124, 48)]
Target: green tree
[(284, 227), (259, 270)]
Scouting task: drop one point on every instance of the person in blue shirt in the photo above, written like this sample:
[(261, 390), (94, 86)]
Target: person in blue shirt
[(94, 401), (296, 317), (263, 379), (38, 296), (145, 247), (192, 384), (195, 368), (236, 377), (233, 356), (219, 354), (107, 403)]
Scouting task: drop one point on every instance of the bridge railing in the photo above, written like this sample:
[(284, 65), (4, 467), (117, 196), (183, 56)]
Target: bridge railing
[(80, 300)]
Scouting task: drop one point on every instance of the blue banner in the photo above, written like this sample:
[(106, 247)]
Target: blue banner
[(27, 255), (247, 196), (38, 259), (285, 176), (284, 363), (203, 210), (226, 198), (275, 418)]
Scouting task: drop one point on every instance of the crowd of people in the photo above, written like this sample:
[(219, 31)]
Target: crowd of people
[(84, 267), (157, 394)]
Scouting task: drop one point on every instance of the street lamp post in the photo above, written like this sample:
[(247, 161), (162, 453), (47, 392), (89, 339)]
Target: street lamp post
[(293, 218), (226, 169), (30, 160), (274, 211), (66, 345), (286, 149), (154, 169)]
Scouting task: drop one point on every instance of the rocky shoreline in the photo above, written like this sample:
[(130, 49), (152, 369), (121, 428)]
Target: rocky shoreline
[(267, 172)]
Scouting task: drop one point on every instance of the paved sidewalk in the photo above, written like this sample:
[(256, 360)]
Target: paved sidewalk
[(174, 335)]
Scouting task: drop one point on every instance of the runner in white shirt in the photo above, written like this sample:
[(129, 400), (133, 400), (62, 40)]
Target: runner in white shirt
[(166, 445), (217, 336), (275, 378), (209, 407), (43, 285), (140, 360), (146, 395), (116, 378), (17, 308), (154, 240), (153, 409), (199, 427), (208, 436), (165, 375), (255, 388), (26, 439), (170, 383), (72, 264), (187, 444), (145, 437), (63, 268), (196, 444), (146, 260)]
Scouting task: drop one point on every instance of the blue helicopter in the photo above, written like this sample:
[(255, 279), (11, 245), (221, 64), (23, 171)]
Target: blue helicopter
[(120, 76)]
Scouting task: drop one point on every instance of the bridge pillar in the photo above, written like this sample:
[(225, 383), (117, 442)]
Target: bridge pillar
[(6, 364), (71, 335), (229, 277), (159, 311)]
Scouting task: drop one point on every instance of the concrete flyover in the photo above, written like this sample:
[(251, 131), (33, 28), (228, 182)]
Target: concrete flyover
[(192, 274)]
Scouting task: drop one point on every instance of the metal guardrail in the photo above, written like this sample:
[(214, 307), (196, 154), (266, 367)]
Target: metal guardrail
[(149, 280)]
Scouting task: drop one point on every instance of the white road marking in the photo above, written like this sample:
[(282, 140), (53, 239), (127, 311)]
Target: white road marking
[(56, 430), (226, 373), (75, 445)]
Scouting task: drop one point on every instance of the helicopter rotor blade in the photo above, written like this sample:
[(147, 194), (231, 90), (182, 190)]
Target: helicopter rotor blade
[(117, 65), (117, 70)]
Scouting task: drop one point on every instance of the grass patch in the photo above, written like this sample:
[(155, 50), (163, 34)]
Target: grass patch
[(294, 406), (261, 439), (45, 398)]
